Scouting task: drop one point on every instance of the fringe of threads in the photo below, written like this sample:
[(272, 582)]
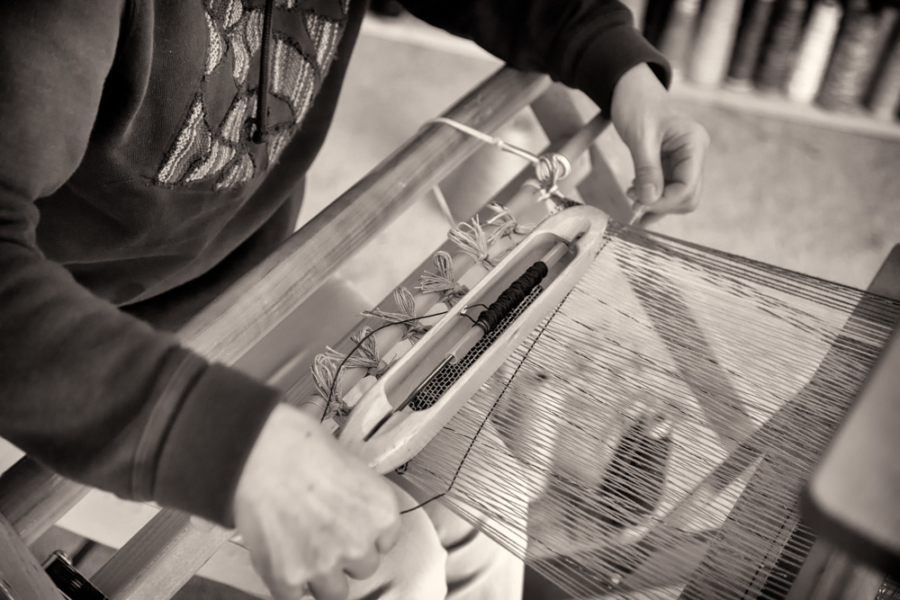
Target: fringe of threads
[(442, 282), (407, 305)]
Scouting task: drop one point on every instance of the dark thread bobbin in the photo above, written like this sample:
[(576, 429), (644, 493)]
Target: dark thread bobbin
[(512, 296)]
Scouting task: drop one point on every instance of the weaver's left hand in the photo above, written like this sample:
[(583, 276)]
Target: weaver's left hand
[(668, 148)]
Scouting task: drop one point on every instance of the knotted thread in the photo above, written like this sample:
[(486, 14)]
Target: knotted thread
[(443, 281), (475, 241), (549, 171), (504, 218), (368, 358), (549, 168), (414, 330), (327, 374)]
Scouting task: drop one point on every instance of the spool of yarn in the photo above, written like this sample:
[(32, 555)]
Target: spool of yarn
[(749, 44), (656, 16), (678, 34), (781, 43), (848, 75), (884, 100), (638, 10), (815, 50), (715, 41)]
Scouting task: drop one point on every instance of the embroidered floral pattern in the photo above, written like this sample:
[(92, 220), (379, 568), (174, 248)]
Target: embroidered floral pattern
[(222, 154), (192, 143), (325, 34), (277, 144), (293, 78)]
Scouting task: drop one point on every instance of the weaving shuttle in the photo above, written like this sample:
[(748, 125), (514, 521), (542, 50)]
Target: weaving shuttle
[(582, 229)]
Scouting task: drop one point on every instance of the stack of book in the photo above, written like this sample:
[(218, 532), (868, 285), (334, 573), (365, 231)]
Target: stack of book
[(842, 55)]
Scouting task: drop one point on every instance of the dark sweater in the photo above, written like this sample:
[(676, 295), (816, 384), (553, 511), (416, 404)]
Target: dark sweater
[(132, 190)]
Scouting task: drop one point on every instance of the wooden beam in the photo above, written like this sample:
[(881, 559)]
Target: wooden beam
[(21, 577)]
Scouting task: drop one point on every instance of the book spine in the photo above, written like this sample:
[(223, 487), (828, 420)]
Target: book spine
[(715, 40), (781, 44), (749, 44), (884, 100), (678, 34), (815, 50), (851, 64), (638, 10)]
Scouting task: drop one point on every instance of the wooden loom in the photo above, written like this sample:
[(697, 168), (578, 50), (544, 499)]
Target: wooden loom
[(234, 329)]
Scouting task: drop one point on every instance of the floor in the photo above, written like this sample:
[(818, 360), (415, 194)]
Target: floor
[(800, 197)]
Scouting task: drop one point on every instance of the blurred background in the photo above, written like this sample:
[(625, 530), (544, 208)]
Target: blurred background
[(800, 98)]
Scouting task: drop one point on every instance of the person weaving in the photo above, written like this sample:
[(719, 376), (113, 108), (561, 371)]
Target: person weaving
[(151, 152)]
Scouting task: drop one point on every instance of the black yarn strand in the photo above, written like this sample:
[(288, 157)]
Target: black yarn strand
[(512, 296)]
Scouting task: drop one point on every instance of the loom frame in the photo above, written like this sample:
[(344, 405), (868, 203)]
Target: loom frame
[(172, 547)]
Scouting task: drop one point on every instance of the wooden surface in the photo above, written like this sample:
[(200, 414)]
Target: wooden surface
[(854, 495), (33, 498), (21, 577)]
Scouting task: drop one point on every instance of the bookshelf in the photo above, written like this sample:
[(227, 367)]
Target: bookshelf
[(408, 30), (771, 105)]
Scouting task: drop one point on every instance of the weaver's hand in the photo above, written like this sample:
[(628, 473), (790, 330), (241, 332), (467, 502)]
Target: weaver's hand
[(668, 148), (310, 512)]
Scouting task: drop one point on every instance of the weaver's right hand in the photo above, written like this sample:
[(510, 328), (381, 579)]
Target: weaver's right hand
[(310, 512)]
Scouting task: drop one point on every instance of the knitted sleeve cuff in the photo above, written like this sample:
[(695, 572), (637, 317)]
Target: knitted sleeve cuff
[(209, 438), (610, 56)]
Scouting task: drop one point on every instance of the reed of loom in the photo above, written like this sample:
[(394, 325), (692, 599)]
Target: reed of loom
[(171, 547)]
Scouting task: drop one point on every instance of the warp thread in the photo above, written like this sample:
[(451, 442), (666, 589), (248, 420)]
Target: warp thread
[(512, 296), (505, 218), (442, 282), (406, 317)]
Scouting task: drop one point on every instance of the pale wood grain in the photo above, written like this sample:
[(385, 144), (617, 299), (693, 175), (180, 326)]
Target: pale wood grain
[(32, 497), (21, 577)]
